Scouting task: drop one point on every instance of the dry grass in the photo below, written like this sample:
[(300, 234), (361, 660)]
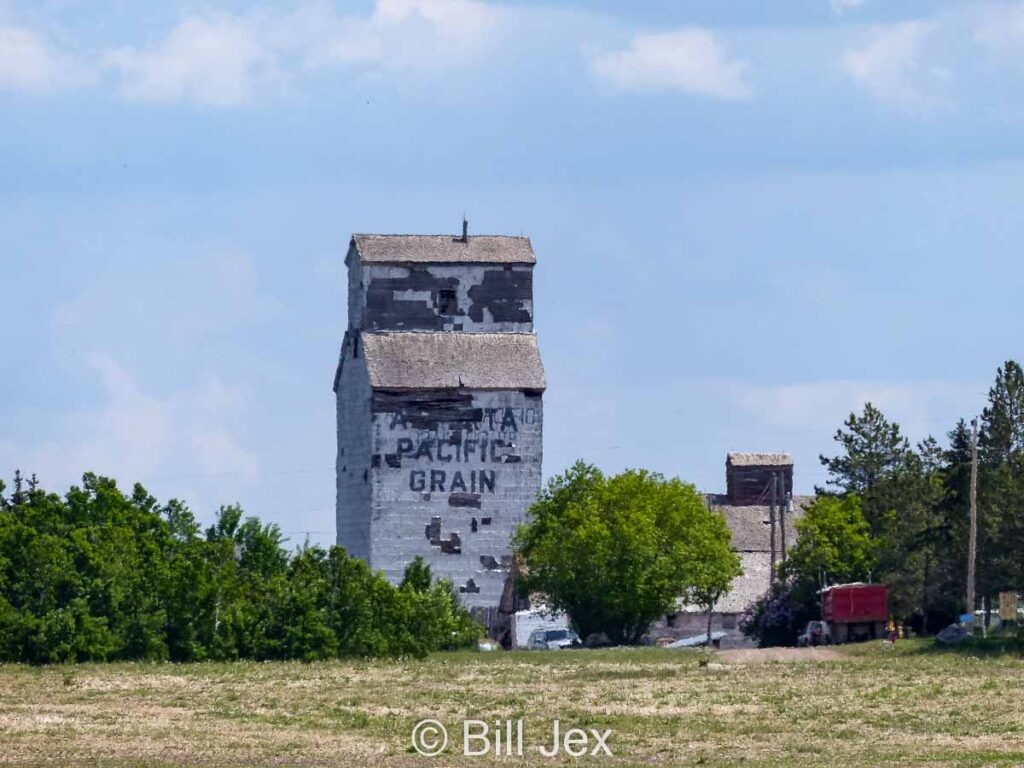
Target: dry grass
[(875, 707)]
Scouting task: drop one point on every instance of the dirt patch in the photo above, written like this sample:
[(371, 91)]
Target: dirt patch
[(763, 655)]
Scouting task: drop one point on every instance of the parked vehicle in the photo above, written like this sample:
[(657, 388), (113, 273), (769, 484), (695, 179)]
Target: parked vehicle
[(552, 639), (697, 641), (530, 620), (816, 633), (855, 611)]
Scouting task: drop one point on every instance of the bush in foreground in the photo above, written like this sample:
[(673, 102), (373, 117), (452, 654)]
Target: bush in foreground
[(98, 575)]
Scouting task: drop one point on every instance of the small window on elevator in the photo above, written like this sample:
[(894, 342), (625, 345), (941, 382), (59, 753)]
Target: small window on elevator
[(447, 302)]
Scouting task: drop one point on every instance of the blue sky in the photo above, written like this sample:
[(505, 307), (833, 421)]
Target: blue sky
[(749, 218)]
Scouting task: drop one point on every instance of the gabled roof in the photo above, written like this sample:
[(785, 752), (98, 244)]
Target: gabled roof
[(450, 360), (430, 249), (750, 525)]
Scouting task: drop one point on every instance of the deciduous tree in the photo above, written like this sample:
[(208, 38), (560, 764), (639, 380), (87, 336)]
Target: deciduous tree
[(616, 552)]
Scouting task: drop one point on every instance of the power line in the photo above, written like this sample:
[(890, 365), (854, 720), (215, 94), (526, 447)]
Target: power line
[(208, 475)]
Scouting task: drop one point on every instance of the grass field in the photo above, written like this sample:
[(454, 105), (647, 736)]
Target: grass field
[(864, 706)]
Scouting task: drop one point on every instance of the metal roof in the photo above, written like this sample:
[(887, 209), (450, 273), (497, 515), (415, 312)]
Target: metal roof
[(449, 360), (433, 249)]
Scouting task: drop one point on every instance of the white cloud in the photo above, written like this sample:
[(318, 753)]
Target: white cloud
[(894, 69), (433, 26), (921, 408), (137, 331), (841, 6), (1000, 29), (208, 290), (218, 451), (27, 63), (690, 60), (230, 60), (125, 436), (216, 62), (137, 435)]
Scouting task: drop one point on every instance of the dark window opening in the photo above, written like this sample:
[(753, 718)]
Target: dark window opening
[(355, 346), (447, 302)]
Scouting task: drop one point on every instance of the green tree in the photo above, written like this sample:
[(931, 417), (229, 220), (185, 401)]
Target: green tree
[(833, 546), (1002, 421), (901, 493), (713, 572), (616, 552), (872, 448), (1001, 485), (926, 538), (417, 575), (295, 623), (99, 575)]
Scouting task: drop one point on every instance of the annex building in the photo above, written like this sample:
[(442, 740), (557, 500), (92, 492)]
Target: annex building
[(761, 535)]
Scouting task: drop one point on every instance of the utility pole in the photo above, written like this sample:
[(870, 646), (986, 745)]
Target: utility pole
[(782, 517), (771, 520), (972, 546)]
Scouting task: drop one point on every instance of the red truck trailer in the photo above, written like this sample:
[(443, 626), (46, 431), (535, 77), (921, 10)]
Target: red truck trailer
[(855, 611)]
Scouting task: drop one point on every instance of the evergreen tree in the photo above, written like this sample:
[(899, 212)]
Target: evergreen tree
[(1001, 485), (903, 495), (1001, 433), (872, 448)]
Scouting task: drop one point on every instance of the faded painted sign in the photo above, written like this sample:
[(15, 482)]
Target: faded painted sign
[(460, 458), (453, 473)]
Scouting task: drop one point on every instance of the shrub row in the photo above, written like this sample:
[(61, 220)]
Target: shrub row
[(97, 575)]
